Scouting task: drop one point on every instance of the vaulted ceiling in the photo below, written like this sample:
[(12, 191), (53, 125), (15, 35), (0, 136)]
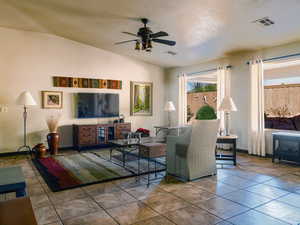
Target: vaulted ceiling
[(203, 29)]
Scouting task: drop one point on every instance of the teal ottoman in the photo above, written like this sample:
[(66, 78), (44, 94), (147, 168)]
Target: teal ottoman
[(12, 180)]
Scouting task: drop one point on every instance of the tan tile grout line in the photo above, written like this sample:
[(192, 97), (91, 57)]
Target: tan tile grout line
[(100, 206), (193, 204), (159, 214)]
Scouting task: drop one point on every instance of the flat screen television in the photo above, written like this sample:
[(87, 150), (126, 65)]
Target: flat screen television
[(96, 105)]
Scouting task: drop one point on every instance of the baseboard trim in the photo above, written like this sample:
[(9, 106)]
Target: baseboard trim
[(246, 151), (242, 150), (8, 154)]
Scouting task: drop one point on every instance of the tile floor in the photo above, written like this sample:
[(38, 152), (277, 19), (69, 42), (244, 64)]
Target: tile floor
[(255, 192)]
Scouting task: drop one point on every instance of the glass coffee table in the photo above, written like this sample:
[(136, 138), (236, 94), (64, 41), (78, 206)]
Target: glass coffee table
[(124, 146), (131, 148)]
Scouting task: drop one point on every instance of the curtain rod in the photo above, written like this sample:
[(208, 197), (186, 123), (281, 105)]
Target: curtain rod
[(279, 57), (206, 71)]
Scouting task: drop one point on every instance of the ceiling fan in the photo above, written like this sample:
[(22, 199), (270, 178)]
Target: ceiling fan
[(145, 37)]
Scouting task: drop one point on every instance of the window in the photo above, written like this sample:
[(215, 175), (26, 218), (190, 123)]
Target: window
[(201, 90), (282, 97)]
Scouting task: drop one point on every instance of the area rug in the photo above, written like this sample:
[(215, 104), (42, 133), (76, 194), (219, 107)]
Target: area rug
[(69, 171)]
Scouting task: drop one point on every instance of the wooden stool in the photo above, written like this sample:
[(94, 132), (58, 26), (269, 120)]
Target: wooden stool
[(152, 150), (16, 212)]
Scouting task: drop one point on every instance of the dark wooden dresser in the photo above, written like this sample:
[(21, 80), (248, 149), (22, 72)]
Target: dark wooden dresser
[(91, 135)]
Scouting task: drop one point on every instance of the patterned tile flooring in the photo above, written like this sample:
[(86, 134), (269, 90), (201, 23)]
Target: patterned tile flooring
[(255, 192)]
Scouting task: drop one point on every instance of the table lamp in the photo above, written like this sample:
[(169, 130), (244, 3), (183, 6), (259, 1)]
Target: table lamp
[(227, 106), (169, 107), (25, 99), (3, 109)]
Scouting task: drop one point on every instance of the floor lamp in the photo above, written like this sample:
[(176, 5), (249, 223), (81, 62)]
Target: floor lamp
[(25, 99), (227, 106), (169, 107)]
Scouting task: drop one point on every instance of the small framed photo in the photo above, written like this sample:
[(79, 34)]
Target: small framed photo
[(52, 99)]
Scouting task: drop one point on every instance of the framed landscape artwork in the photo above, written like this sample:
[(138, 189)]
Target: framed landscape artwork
[(52, 99), (141, 98)]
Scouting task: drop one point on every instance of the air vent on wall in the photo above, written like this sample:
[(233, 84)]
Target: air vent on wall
[(171, 53), (266, 21)]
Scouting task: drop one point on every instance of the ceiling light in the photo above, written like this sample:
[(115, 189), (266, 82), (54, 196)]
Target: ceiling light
[(171, 53), (265, 21), (137, 45), (144, 45), (149, 44)]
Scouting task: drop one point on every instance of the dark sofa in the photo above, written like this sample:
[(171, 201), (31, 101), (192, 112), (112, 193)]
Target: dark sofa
[(283, 123)]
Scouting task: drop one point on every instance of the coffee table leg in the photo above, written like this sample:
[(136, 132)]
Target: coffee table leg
[(110, 153), (139, 156), (20, 193), (155, 168), (123, 158), (148, 172)]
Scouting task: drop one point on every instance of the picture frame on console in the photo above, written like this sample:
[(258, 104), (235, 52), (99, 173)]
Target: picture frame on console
[(52, 99), (141, 98)]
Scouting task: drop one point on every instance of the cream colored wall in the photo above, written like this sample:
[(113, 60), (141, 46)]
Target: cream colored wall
[(28, 61), (240, 83)]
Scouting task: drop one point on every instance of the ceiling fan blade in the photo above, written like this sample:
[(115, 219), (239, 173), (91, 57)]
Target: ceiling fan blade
[(166, 42), (159, 34), (122, 42), (132, 34)]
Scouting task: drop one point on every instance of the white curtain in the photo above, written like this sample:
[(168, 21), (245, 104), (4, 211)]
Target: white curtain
[(182, 100), (256, 143), (223, 89)]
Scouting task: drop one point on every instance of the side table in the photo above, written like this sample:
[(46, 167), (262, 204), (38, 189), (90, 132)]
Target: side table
[(231, 139)]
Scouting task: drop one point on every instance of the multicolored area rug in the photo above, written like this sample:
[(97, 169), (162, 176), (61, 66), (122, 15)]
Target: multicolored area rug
[(69, 171)]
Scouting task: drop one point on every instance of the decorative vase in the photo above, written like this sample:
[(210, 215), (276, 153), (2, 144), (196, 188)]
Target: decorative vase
[(53, 142), (40, 150)]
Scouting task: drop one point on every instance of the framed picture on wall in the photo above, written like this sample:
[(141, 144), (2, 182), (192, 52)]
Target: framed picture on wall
[(52, 99), (141, 98)]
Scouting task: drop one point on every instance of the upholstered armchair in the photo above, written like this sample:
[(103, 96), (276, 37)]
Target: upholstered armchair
[(192, 154)]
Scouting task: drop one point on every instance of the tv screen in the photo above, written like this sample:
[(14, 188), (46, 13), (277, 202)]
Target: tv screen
[(96, 105)]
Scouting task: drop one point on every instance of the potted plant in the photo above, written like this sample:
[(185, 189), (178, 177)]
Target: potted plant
[(206, 112), (53, 136)]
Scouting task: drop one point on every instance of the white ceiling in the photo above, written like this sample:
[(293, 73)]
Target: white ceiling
[(203, 29)]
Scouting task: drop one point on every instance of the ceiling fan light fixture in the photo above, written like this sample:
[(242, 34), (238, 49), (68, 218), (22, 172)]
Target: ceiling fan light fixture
[(137, 46), (149, 44), (145, 37), (144, 46)]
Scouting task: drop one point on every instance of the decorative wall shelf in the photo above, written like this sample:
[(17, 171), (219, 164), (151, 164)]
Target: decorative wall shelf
[(74, 82)]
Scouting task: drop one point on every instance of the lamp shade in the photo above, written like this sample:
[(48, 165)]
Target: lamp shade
[(227, 105), (26, 99), (169, 106), (3, 108)]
